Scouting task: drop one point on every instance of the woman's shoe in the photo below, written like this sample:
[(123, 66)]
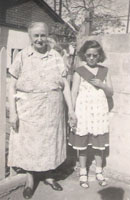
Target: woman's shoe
[(83, 181), (28, 193), (54, 185), (101, 180)]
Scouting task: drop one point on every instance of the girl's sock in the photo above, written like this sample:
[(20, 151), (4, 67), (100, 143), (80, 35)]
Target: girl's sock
[(83, 171), (98, 170)]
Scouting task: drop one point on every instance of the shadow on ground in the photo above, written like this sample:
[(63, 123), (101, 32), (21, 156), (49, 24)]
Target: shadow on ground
[(61, 173), (111, 193)]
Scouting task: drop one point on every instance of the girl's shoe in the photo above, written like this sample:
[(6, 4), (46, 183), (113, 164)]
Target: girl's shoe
[(83, 180), (101, 180)]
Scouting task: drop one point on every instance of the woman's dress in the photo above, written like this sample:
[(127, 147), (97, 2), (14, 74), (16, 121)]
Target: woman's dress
[(40, 143)]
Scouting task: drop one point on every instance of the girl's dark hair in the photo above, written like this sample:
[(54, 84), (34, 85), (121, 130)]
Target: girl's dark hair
[(92, 44)]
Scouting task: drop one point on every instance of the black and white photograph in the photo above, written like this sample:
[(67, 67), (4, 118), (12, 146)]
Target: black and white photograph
[(65, 99)]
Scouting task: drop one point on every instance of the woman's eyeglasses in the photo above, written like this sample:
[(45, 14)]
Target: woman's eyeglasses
[(89, 55)]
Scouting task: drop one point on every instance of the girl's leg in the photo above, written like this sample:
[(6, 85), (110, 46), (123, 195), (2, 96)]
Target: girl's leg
[(28, 190), (83, 170), (98, 158), (99, 170), (82, 158)]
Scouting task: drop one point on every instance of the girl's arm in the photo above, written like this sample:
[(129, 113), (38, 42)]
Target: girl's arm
[(12, 103), (75, 88), (106, 87)]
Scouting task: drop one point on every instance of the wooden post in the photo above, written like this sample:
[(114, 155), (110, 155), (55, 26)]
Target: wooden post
[(128, 18), (60, 8), (84, 32), (15, 53), (3, 59), (12, 171)]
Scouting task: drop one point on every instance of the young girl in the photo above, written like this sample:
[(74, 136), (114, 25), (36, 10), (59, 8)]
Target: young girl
[(90, 89)]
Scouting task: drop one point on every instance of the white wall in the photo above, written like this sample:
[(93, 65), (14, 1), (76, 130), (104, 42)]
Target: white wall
[(13, 39), (16, 40)]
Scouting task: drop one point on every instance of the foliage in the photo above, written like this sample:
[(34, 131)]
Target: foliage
[(62, 32), (101, 14), (98, 12)]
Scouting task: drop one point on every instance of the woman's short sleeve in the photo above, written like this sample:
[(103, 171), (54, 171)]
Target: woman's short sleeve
[(61, 66), (15, 67)]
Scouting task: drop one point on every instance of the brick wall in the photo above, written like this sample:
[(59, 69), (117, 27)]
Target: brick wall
[(22, 14)]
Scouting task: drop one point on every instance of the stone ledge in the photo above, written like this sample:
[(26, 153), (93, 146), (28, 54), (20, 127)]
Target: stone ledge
[(11, 183), (123, 177)]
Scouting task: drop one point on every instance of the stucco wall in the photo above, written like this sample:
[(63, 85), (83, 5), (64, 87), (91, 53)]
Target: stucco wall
[(117, 48), (118, 53)]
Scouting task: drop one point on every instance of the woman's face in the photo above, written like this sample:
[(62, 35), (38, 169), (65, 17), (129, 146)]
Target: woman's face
[(38, 36), (92, 57)]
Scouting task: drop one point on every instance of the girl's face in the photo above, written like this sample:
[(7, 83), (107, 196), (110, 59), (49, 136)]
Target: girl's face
[(92, 57)]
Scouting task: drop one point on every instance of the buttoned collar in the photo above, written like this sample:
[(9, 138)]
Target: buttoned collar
[(31, 51)]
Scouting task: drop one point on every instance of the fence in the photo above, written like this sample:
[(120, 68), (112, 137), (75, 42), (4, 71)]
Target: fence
[(3, 58), (3, 98)]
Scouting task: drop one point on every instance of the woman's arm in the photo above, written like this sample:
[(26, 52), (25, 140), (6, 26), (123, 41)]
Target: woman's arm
[(67, 95), (75, 88), (12, 103), (106, 87)]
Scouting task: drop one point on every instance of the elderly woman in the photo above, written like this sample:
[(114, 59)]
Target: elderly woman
[(38, 88)]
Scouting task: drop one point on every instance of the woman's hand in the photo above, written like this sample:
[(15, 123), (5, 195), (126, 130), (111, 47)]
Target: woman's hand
[(72, 120), (97, 82), (14, 121)]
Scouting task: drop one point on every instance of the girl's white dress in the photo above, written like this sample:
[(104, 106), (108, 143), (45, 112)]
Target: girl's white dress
[(92, 114)]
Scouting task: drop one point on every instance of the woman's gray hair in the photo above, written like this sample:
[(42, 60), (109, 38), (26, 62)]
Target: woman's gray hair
[(35, 24)]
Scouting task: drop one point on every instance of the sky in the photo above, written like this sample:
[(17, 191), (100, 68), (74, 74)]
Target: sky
[(121, 6)]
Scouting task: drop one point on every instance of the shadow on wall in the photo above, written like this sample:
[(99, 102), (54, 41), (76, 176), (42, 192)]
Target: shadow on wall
[(112, 193)]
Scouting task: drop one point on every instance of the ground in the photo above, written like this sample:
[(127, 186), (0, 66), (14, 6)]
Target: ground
[(115, 190), (69, 179), (72, 191)]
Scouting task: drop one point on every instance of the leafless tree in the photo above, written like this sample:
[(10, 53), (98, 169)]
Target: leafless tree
[(96, 12)]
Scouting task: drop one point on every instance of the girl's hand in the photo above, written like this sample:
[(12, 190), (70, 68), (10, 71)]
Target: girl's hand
[(72, 120), (14, 121), (97, 82)]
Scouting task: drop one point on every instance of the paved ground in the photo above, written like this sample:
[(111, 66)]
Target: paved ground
[(72, 191), (68, 178)]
